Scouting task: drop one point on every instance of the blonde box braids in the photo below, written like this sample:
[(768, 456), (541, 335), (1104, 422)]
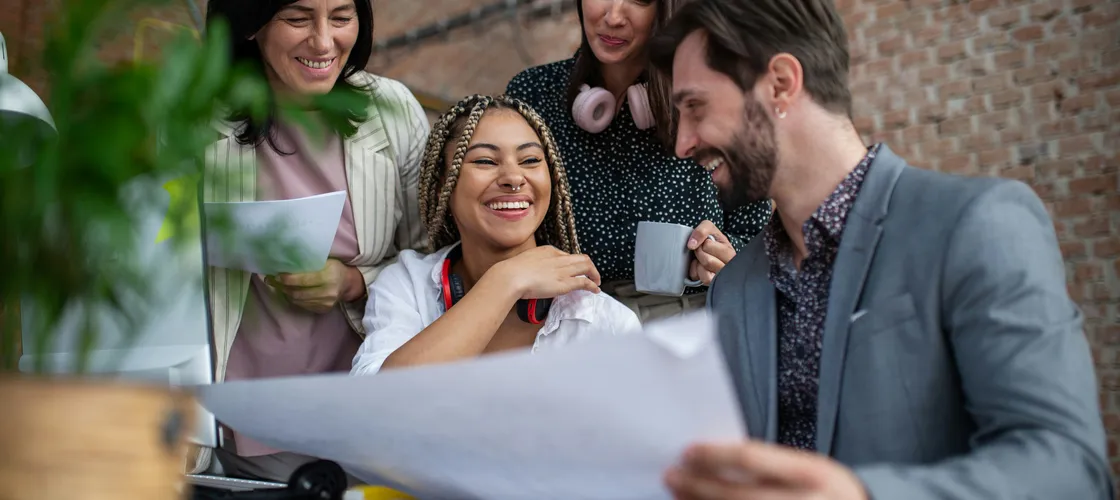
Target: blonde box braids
[(438, 178)]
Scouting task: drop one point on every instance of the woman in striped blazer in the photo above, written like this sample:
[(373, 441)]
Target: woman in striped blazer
[(295, 324)]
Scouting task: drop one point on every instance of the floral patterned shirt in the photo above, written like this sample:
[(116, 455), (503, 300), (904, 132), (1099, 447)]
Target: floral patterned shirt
[(802, 303)]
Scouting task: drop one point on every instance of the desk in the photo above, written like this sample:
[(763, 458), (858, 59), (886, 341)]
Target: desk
[(235, 484)]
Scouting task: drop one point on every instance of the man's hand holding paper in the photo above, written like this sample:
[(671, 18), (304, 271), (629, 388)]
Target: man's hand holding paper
[(757, 471)]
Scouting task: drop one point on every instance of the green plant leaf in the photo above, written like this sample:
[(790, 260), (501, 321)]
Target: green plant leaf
[(66, 231)]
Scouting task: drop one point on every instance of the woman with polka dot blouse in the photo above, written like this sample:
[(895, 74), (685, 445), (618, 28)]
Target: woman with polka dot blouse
[(612, 119)]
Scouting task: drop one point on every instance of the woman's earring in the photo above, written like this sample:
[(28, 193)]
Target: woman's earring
[(781, 114)]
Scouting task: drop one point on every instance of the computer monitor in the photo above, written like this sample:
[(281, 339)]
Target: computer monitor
[(172, 339)]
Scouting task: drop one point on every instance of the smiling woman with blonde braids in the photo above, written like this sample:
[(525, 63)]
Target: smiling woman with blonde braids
[(506, 270)]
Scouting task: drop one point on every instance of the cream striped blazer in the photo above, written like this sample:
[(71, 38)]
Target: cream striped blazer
[(382, 172)]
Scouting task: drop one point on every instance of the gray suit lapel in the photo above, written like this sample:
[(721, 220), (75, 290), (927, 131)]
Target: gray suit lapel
[(761, 345), (857, 249)]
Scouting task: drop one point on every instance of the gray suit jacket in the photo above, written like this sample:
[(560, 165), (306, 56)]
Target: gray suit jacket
[(954, 363)]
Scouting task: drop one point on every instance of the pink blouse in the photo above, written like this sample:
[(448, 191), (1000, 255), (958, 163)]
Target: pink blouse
[(275, 338)]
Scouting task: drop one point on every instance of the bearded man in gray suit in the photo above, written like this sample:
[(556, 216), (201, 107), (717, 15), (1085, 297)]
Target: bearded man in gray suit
[(895, 333)]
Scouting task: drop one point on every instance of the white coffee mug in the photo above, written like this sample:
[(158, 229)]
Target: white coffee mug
[(662, 258)]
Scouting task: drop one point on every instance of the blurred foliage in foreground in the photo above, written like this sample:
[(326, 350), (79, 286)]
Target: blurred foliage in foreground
[(66, 236)]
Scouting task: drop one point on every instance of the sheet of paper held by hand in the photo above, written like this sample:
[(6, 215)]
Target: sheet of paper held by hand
[(601, 419), (297, 233)]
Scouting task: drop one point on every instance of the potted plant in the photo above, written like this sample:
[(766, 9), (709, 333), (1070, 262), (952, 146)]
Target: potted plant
[(66, 238), (65, 235)]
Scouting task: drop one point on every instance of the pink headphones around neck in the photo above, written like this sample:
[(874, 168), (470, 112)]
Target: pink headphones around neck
[(593, 109)]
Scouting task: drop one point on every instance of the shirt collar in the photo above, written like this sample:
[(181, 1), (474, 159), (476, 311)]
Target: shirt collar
[(828, 223)]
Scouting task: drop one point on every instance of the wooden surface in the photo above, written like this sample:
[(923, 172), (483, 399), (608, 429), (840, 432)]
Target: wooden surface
[(78, 440)]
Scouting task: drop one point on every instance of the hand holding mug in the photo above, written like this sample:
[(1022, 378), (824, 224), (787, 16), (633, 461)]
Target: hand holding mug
[(670, 257), (712, 250)]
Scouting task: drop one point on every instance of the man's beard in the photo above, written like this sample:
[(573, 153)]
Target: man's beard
[(750, 159)]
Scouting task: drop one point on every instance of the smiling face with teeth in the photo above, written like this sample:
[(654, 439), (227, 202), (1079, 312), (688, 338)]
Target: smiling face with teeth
[(306, 45), (504, 188), (491, 177), (723, 127)]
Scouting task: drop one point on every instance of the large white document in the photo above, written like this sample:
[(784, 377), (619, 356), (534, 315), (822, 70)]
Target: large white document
[(602, 419), (297, 233)]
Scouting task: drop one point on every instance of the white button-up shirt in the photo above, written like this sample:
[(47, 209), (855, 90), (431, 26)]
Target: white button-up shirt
[(408, 296)]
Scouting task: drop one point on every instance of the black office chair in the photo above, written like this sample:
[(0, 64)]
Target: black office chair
[(319, 480)]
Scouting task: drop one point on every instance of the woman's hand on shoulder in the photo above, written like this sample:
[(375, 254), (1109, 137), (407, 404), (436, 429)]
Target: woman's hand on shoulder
[(547, 272)]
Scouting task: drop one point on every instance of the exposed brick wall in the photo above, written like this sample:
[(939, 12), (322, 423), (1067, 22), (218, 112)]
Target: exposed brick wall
[(22, 23), (1026, 89), (145, 31), (11, 25), (471, 60)]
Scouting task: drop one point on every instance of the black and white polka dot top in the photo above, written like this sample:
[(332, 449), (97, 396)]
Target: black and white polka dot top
[(624, 175)]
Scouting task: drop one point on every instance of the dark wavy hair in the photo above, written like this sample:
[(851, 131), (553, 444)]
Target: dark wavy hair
[(660, 87), (744, 35), (245, 18)]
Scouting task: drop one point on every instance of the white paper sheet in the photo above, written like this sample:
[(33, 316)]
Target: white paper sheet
[(602, 419), (306, 225)]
